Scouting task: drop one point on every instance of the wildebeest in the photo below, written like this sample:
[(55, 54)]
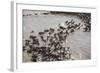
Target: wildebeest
[(41, 33), (29, 51), (71, 30), (51, 30), (62, 27), (46, 30), (27, 42), (32, 37)]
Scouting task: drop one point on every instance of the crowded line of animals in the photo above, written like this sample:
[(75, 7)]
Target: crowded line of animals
[(50, 44)]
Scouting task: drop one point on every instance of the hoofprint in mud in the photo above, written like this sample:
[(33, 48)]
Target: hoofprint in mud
[(56, 36)]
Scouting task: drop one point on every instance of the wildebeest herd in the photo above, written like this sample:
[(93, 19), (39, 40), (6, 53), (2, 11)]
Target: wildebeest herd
[(50, 44)]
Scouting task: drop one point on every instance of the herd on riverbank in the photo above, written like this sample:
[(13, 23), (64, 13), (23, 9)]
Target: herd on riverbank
[(50, 44)]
